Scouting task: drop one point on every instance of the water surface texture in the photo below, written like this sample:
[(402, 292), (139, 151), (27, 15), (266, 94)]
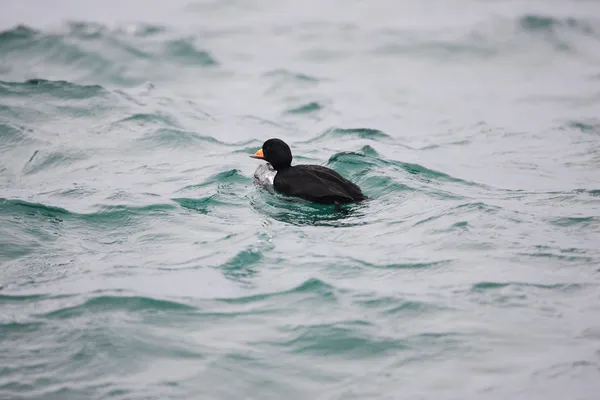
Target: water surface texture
[(139, 261)]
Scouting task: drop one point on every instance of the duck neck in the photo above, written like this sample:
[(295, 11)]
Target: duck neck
[(281, 167)]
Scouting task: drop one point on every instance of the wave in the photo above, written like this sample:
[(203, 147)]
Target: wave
[(286, 75), (231, 176), (243, 265), (391, 305), (92, 30), (525, 35), (175, 138), (561, 257), (222, 189), (312, 286), (42, 160), (580, 221), (591, 126), (357, 133), (163, 129), (58, 89), (367, 158), (406, 265), (105, 214), (122, 215), (307, 108), (202, 205), (487, 286), (146, 119), (107, 304), (344, 338), (11, 135), (185, 52), (479, 207), (545, 23), (20, 328), (85, 50), (40, 108), (17, 298), (380, 186)]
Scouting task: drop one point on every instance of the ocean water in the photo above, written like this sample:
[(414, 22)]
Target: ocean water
[(139, 261)]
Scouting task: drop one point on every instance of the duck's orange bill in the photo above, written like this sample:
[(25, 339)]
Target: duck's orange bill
[(259, 154)]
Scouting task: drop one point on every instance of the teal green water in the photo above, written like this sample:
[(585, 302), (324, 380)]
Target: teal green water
[(139, 261)]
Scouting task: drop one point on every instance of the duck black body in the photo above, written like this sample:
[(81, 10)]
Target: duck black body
[(310, 182)]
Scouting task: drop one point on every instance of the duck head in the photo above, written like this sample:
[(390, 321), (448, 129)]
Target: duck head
[(276, 152)]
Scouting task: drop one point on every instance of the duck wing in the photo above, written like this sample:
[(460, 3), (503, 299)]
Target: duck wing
[(317, 183)]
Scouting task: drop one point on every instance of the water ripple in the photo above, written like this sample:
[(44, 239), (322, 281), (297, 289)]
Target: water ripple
[(139, 260)]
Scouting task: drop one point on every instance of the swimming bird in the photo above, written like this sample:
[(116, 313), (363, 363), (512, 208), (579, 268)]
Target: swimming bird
[(315, 183)]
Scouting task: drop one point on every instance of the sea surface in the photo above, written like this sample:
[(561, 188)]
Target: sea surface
[(139, 261)]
